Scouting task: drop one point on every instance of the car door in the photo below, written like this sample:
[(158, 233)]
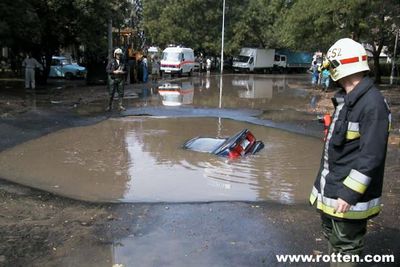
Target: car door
[(56, 68)]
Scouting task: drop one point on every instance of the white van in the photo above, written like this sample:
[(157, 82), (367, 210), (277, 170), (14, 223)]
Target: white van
[(177, 60)]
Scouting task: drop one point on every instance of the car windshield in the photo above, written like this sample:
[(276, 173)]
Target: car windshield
[(171, 56), (242, 59), (172, 97), (66, 61)]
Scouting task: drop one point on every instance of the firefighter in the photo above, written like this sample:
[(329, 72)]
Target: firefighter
[(116, 79), (348, 187)]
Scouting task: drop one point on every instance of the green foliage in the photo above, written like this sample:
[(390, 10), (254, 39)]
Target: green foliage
[(46, 25), (308, 25), (18, 25), (191, 23), (43, 26), (313, 25), (255, 23), (198, 23)]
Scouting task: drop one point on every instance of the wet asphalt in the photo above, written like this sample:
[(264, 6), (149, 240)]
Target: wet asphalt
[(202, 234)]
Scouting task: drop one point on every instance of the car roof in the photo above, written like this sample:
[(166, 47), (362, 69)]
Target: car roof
[(178, 49), (58, 57)]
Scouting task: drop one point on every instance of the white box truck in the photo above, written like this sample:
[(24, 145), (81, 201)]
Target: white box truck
[(177, 60), (268, 60), (254, 59)]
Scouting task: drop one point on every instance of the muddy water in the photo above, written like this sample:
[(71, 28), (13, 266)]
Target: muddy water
[(255, 91), (140, 159)]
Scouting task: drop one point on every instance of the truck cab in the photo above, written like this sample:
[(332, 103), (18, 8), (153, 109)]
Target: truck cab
[(280, 62), (268, 60)]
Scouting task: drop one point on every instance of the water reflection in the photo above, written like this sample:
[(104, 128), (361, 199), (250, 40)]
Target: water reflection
[(235, 91), (141, 160), (177, 93), (254, 88)]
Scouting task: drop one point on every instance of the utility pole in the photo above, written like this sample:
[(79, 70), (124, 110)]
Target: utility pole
[(222, 54), (110, 40), (222, 36), (394, 56)]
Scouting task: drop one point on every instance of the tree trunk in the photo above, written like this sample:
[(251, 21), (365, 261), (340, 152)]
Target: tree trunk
[(377, 69)]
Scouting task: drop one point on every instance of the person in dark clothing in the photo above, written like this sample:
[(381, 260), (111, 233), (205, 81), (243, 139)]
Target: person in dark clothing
[(145, 69), (116, 79), (348, 187)]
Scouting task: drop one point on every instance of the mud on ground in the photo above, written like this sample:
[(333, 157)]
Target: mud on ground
[(34, 224)]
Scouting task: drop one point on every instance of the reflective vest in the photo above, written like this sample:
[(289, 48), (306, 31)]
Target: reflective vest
[(354, 153)]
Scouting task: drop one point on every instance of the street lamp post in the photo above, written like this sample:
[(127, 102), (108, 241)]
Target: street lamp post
[(222, 54), (222, 36), (394, 56), (110, 39)]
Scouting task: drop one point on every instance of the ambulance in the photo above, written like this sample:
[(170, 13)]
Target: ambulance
[(177, 60)]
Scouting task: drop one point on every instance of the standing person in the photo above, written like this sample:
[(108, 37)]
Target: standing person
[(30, 64), (201, 62), (208, 64), (315, 74), (116, 79), (348, 187), (325, 79), (155, 69), (145, 69)]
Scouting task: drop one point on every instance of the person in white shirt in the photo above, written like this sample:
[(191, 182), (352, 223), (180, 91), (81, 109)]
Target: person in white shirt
[(30, 64)]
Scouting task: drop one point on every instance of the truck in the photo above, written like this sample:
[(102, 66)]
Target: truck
[(270, 60), (177, 60), (292, 61)]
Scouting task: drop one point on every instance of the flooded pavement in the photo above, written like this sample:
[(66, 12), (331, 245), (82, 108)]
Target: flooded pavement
[(73, 148), (141, 159), (239, 91)]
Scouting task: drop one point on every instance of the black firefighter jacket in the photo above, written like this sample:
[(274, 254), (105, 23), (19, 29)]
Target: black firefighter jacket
[(353, 160), (114, 65)]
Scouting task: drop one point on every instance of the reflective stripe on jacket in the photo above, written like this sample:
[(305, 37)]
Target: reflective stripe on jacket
[(353, 160)]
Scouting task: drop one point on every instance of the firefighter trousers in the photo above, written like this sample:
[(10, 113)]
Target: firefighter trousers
[(116, 85), (344, 237)]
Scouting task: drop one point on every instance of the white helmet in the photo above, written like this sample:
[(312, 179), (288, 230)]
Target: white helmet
[(346, 57), (118, 51)]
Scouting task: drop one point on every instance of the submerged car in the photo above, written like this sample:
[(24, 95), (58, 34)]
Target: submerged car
[(241, 144), (62, 67)]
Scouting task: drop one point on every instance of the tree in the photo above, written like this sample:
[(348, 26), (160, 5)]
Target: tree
[(376, 27), (197, 23), (44, 26), (255, 25), (316, 25), (193, 23), (309, 25)]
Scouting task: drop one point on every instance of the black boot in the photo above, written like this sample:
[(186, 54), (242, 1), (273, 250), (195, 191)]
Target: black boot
[(110, 104), (120, 106)]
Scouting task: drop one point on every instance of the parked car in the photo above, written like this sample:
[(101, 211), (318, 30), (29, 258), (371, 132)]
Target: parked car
[(62, 67)]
